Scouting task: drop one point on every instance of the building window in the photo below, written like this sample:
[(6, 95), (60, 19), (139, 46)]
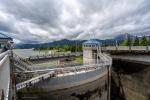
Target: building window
[(93, 45)]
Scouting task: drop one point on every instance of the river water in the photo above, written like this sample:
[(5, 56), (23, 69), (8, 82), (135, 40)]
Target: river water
[(25, 53)]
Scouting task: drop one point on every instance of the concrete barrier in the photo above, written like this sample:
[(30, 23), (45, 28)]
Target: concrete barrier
[(111, 48), (123, 48), (5, 74), (126, 48), (148, 47), (138, 48)]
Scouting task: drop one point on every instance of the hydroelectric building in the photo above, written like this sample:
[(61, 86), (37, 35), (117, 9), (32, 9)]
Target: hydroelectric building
[(89, 81)]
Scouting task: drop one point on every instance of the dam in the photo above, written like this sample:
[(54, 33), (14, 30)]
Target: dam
[(94, 79), (90, 80)]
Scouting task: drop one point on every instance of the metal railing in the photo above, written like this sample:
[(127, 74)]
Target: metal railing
[(21, 63)]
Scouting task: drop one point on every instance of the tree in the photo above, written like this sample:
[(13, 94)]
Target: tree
[(136, 41), (126, 42), (144, 41)]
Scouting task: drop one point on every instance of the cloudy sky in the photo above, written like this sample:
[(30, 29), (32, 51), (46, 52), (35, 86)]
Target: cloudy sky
[(48, 20)]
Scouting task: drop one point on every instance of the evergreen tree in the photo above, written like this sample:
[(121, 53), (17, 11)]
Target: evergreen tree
[(144, 41), (136, 41), (126, 42), (148, 42)]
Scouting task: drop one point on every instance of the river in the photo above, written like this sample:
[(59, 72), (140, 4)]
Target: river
[(25, 53)]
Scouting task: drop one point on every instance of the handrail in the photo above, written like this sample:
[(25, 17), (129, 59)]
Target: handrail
[(3, 54), (33, 80), (20, 60)]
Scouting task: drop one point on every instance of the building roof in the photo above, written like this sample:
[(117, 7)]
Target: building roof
[(92, 41), (3, 36)]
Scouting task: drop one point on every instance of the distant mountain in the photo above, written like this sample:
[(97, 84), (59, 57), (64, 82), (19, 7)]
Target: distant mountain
[(60, 42), (123, 36), (66, 41), (119, 38), (27, 46)]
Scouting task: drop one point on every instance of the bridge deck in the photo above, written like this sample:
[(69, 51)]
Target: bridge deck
[(144, 59)]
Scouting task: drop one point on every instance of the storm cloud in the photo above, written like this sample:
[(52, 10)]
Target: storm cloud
[(49, 20)]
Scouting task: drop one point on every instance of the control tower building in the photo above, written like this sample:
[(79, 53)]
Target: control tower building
[(91, 52)]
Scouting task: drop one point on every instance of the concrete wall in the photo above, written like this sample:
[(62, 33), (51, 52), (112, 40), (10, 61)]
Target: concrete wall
[(87, 56), (130, 81), (139, 48), (123, 48), (5, 76), (126, 48), (109, 48)]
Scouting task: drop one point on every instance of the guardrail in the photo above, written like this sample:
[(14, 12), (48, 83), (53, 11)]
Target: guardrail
[(5, 74)]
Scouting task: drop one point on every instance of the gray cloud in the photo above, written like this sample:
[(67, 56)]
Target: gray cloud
[(49, 20)]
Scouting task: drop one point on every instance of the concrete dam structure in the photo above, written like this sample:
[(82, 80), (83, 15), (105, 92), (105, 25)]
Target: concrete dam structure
[(128, 77), (88, 81), (91, 80)]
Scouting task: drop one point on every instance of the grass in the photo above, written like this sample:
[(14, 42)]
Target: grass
[(79, 59)]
